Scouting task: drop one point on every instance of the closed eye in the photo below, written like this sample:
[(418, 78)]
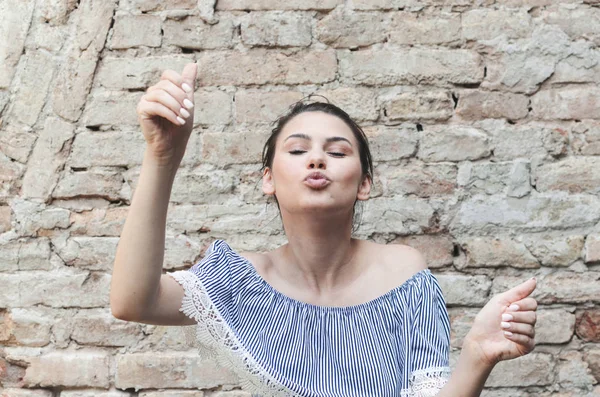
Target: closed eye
[(337, 154), (297, 151)]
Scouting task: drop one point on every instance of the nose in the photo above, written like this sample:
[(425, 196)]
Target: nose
[(316, 161)]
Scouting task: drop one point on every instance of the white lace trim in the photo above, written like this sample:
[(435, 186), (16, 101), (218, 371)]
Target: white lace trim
[(213, 334), (426, 382)]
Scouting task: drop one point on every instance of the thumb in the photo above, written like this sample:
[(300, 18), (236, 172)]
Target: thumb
[(189, 76), (521, 291)]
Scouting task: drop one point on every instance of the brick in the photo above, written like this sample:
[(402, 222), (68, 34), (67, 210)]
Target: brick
[(32, 217), (360, 103), (476, 105), (90, 253), (410, 5), (101, 183), (572, 174), (554, 326), (212, 107), (263, 107), (276, 29), (10, 392), (578, 21), (25, 255), (92, 21), (592, 357), (243, 5), (414, 66), (5, 218), (461, 322), (32, 327), (392, 143), (15, 20), (70, 369), (419, 106), (558, 287), (169, 370), (202, 185), (423, 181), (56, 289), (528, 370), (464, 290), (158, 5), (17, 141), (112, 109), (559, 251), (586, 138), (48, 158), (588, 325), (487, 24), (592, 248), (10, 177), (566, 103), (94, 393), (56, 12), (238, 148), (497, 252), (343, 28), (573, 371), (437, 249), (410, 28), (98, 327), (137, 73), (453, 143), (259, 66), (383, 217), (107, 148), (194, 33), (542, 212), (510, 177), (33, 82), (182, 393), (131, 31), (98, 222), (221, 219)]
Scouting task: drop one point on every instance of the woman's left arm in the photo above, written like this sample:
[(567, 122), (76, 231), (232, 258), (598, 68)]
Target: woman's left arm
[(504, 329)]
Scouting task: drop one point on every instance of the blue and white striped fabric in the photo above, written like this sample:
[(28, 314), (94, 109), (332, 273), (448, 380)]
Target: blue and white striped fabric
[(394, 345)]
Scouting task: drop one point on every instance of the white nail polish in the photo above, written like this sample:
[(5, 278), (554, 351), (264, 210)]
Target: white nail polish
[(186, 87), (508, 333), (507, 317), (188, 104), (514, 308), (505, 325), (184, 113), (181, 121)]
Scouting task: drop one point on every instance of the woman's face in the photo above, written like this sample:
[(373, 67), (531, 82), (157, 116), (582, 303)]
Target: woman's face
[(320, 145)]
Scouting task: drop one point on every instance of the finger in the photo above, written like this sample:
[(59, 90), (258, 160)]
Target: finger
[(520, 317), (523, 340), (527, 304), (152, 109), (175, 91), (172, 76), (165, 99), (519, 328), (189, 79), (519, 292)]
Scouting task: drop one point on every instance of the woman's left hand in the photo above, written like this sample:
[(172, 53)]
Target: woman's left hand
[(487, 339)]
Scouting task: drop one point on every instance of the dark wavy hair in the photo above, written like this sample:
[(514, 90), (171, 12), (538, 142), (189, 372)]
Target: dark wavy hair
[(308, 105)]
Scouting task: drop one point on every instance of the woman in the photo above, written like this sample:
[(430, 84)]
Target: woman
[(324, 314)]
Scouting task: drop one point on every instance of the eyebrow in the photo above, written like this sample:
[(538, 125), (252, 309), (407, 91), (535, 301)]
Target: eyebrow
[(331, 139)]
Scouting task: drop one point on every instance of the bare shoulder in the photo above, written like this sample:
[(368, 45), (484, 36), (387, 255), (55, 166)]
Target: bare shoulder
[(396, 263), (261, 262)]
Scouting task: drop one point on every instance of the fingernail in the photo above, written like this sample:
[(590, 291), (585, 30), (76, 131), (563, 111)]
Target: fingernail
[(507, 317), (181, 121), (184, 113), (505, 325), (514, 308), (188, 104), (508, 333), (186, 87)]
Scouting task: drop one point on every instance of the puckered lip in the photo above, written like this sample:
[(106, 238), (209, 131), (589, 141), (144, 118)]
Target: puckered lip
[(316, 175)]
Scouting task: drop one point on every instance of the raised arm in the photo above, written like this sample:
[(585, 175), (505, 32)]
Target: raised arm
[(139, 292)]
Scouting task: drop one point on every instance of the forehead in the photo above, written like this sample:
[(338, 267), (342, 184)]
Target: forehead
[(317, 125)]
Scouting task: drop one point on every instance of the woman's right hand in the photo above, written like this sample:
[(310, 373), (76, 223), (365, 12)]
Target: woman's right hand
[(166, 115)]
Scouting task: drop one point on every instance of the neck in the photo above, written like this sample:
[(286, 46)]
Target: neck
[(320, 252)]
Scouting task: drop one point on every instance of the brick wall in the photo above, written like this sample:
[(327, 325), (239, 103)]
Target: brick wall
[(484, 122)]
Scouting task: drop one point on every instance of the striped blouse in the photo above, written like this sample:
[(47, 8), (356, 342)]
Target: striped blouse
[(394, 345)]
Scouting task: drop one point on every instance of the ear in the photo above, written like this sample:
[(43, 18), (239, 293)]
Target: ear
[(268, 184), (364, 189)]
